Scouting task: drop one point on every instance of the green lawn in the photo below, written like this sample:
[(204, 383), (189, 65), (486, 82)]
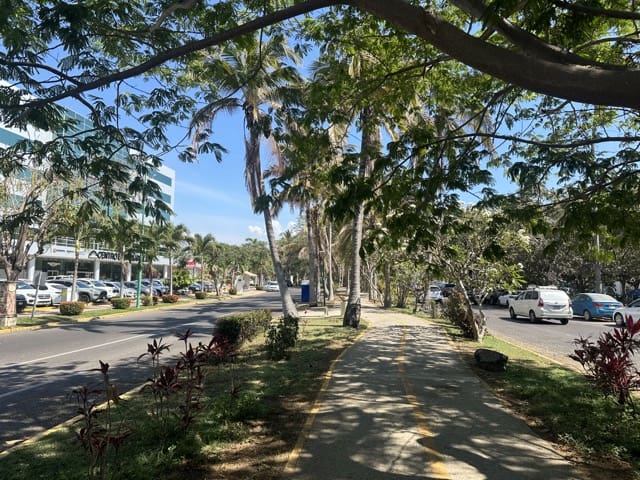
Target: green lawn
[(242, 400), (560, 404)]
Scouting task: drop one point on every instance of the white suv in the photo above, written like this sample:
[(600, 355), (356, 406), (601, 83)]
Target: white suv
[(542, 302)]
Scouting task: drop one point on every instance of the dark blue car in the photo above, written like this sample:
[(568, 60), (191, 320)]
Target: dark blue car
[(21, 303), (594, 305)]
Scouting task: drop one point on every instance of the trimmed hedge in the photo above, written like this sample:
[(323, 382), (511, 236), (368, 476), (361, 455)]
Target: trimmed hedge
[(233, 291), (71, 308), (148, 300), (241, 327), (170, 298), (121, 303), (201, 295)]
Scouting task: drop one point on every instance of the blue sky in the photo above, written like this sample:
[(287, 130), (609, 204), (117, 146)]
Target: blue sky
[(211, 197)]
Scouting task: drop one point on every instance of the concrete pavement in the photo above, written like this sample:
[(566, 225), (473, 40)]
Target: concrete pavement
[(402, 404)]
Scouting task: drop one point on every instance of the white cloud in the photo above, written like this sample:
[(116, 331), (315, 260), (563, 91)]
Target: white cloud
[(256, 230)]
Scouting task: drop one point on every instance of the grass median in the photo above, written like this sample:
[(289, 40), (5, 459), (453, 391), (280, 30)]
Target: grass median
[(561, 405), (252, 412)]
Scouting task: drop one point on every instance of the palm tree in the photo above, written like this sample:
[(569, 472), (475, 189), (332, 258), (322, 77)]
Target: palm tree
[(201, 247), (173, 238), (249, 78), (117, 232)]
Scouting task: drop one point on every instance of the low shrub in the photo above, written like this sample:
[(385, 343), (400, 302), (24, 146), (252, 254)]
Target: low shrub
[(233, 291), (281, 336), (170, 298), (121, 303), (201, 295), (71, 308), (149, 300), (242, 327), (457, 312), (608, 362)]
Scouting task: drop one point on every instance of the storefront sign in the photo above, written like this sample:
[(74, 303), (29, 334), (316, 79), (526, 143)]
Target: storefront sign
[(102, 255)]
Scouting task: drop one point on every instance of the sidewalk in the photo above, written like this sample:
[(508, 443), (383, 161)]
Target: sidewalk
[(401, 404)]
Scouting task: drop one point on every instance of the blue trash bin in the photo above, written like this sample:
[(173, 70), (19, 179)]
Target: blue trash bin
[(304, 292)]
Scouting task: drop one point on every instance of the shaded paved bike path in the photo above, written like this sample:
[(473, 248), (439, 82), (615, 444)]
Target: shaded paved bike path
[(401, 404)]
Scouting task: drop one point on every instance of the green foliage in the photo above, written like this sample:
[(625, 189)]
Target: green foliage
[(121, 303), (563, 402), (71, 308), (457, 312), (181, 278), (241, 327), (170, 298), (148, 300), (233, 291), (281, 337), (200, 295)]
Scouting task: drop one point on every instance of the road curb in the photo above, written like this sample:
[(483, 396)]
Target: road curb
[(54, 324)]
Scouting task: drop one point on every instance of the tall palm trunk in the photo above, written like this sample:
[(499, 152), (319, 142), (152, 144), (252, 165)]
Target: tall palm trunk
[(313, 256), (329, 265), (288, 306), (352, 313), (255, 185)]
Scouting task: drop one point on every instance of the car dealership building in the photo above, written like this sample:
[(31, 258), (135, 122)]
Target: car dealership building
[(95, 260)]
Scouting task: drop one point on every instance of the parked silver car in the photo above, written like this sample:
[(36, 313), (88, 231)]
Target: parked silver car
[(127, 292)]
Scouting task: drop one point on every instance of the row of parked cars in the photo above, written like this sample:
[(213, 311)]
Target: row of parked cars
[(88, 291), (553, 303), (550, 302)]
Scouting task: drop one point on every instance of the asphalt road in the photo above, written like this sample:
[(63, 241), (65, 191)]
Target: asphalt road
[(548, 337), (40, 369)]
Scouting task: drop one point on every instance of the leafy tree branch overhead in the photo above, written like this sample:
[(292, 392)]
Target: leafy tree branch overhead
[(579, 52)]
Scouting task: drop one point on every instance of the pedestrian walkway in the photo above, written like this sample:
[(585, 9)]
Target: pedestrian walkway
[(402, 404)]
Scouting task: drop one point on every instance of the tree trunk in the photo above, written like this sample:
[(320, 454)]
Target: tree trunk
[(313, 258), (329, 266), (8, 314), (478, 322), (351, 319), (352, 313), (288, 306), (387, 285), (171, 273)]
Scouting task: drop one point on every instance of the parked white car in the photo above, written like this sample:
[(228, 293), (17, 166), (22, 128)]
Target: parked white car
[(41, 296), (126, 291), (271, 287), (542, 302), (56, 293), (111, 291), (621, 314), (435, 293), (503, 300)]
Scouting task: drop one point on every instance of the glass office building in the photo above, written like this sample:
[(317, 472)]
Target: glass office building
[(96, 261)]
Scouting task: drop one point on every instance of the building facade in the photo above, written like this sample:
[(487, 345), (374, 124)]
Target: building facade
[(95, 260)]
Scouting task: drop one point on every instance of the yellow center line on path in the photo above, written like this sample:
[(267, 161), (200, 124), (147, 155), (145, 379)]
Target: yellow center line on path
[(438, 467)]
